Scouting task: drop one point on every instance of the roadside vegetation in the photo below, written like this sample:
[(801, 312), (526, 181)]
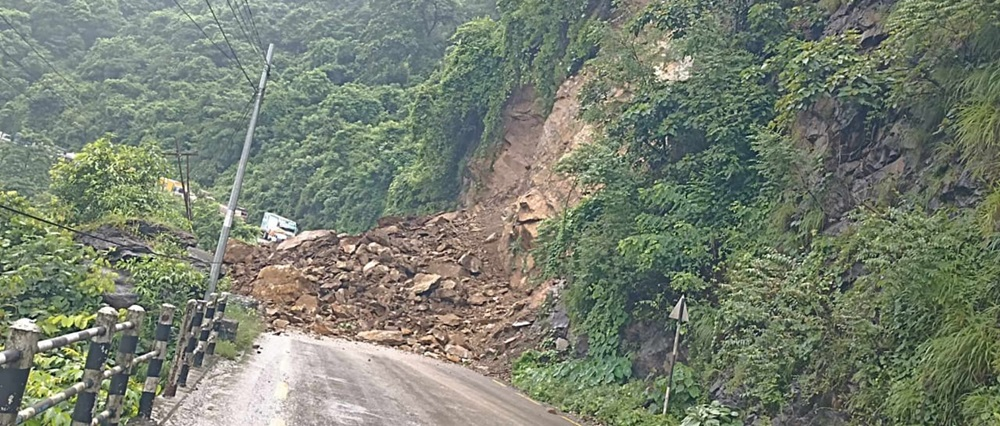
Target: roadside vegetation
[(251, 325)]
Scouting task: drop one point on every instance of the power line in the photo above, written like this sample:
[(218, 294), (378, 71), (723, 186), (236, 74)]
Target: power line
[(40, 56), (38, 81), (243, 25), (82, 233), (209, 38), (226, 38), (253, 24), (9, 83)]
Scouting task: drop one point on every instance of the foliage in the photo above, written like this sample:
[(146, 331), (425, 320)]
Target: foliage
[(903, 343), (164, 280), (607, 399), (713, 414), (110, 179), (251, 326), (26, 166), (709, 186), (43, 273)]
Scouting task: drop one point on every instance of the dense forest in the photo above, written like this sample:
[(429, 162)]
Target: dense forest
[(821, 187), (162, 74)]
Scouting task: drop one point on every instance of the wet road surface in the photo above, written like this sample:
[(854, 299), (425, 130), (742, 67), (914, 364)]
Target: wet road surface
[(297, 380)]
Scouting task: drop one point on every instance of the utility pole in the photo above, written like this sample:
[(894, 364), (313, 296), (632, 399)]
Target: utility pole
[(220, 249), (185, 179), (681, 315)]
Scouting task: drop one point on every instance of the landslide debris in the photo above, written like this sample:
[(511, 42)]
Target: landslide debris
[(427, 285)]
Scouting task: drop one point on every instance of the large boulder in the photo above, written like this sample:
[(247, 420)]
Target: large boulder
[(239, 252), (282, 284), (309, 236)]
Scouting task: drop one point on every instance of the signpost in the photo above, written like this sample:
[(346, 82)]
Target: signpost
[(679, 313)]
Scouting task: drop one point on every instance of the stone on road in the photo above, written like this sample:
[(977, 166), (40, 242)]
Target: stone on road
[(298, 380)]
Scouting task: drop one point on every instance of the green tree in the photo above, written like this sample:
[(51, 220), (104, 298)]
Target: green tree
[(107, 179)]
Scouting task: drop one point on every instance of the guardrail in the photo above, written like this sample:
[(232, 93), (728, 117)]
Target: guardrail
[(202, 321)]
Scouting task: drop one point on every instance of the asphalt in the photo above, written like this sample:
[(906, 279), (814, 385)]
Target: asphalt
[(296, 380)]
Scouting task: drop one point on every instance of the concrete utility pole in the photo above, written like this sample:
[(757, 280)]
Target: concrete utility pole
[(220, 250)]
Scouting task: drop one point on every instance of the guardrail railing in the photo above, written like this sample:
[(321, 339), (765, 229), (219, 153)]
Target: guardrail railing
[(196, 340)]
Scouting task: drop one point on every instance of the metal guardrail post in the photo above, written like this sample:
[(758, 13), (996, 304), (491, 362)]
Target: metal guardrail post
[(23, 338), (220, 312), (173, 379), (205, 332), (161, 337), (192, 342), (126, 352), (97, 355)]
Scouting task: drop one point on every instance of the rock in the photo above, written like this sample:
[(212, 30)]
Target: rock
[(341, 311), (478, 300), (457, 339), (308, 236), (424, 283), (520, 324), (228, 329), (369, 267), (321, 328), (533, 207), (405, 331), (426, 340), (349, 245), (453, 358), (306, 304), (562, 344), (448, 290), (280, 324), (457, 350), (121, 300), (343, 266), (491, 238), (470, 263), (282, 284), (447, 269), (383, 337), (559, 318), (440, 335), (450, 320), (238, 252)]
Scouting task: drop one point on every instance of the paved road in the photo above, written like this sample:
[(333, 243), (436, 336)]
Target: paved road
[(298, 380)]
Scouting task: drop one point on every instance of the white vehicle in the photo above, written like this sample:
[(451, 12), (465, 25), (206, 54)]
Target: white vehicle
[(277, 228)]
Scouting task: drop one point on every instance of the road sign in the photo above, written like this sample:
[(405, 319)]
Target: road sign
[(680, 311)]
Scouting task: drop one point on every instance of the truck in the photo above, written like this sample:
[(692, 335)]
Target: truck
[(276, 228)]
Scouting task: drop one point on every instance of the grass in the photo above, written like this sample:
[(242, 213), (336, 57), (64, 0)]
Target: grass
[(251, 326)]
